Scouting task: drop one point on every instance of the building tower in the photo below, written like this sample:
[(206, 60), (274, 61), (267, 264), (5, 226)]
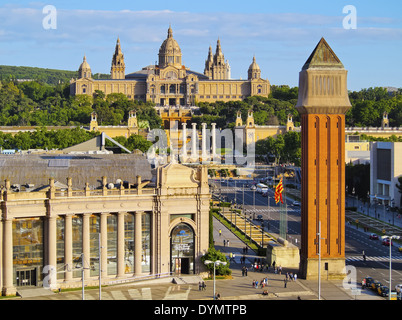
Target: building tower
[(254, 71), (209, 63), (215, 66), (84, 70), (118, 68), (385, 120), (170, 52), (322, 103)]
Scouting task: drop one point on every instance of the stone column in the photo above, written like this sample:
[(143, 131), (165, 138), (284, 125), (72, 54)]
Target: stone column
[(213, 141), (204, 142), (138, 243), (194, 151), (52, 246), (8, 287), (120, 244), (68, 247), (184, 144)]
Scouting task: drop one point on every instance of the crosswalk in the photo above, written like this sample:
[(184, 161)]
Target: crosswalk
[(372, 258)]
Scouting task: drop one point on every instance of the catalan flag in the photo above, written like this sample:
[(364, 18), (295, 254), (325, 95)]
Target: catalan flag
[(278, 192)]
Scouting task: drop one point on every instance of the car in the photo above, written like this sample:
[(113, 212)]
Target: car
[(296, 203), (386, 242), (259, 218), (368, 281), (375, 285), (373, 236), (265, 194), (400, 249), (253, 187), (383, 291)]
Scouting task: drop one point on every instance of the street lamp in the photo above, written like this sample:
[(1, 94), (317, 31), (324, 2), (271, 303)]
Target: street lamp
[(216, 263), (390, 261)]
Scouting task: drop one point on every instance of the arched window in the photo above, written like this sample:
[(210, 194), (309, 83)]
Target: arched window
[(182, 249)]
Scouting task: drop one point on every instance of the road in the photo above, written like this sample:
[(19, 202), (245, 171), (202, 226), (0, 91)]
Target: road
[(357, 239)]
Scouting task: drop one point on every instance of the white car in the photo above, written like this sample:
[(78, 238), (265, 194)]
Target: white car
[(253, 187)]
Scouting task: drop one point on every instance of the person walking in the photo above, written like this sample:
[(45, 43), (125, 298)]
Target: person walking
[(285, 281)]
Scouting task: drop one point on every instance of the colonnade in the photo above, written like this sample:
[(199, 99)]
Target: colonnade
[(195, 145), (50, 248)]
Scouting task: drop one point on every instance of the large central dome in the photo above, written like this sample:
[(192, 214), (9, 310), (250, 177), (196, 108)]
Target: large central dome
[(169, 52)]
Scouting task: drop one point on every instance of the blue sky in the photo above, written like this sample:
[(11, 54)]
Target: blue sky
[(281, 35)]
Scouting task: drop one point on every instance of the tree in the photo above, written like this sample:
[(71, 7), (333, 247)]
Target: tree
[(215, 255)]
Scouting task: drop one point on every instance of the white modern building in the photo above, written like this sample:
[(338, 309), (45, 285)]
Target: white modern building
[(385, 168)]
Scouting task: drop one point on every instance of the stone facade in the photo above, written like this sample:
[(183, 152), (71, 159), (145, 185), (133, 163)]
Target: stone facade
[(172, 83), (141, 230)]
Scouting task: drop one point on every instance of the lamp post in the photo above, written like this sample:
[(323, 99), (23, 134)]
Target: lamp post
[(216, 263)]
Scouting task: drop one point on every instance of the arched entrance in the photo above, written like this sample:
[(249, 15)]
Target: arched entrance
[(182, 249)]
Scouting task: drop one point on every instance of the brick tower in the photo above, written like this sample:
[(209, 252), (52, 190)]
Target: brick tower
[(322, 103)]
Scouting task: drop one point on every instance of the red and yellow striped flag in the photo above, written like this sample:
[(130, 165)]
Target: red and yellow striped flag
[(278, 192)]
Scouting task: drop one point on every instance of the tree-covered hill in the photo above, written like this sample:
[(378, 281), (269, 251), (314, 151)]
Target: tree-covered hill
[(43, 75)]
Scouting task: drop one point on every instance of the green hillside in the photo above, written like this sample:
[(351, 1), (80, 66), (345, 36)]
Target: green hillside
[(44, 75)]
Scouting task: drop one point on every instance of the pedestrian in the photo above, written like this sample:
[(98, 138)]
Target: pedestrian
[(285, 282), (246, 271), (295, 277), (227, 242), (224, 242), (220, 232), (256, 284), (199, 286), (242, 272), (253, 283)]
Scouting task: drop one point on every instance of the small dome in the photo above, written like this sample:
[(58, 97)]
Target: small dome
[(84, 64), (254, 65), (170, 45)]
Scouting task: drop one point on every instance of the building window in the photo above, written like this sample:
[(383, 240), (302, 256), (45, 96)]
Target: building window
[(94, 229), (77, 246), (112, 245), (28, 251), (182, 249), (129, 243)]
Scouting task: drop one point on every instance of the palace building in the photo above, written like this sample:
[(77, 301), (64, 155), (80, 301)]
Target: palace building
[(170, 83)]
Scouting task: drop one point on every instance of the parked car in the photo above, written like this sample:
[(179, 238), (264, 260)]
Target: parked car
[(253, 187), (383, 291), (373, 236), (386, 242), (259, 218), (296, 203), (375, 285)]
